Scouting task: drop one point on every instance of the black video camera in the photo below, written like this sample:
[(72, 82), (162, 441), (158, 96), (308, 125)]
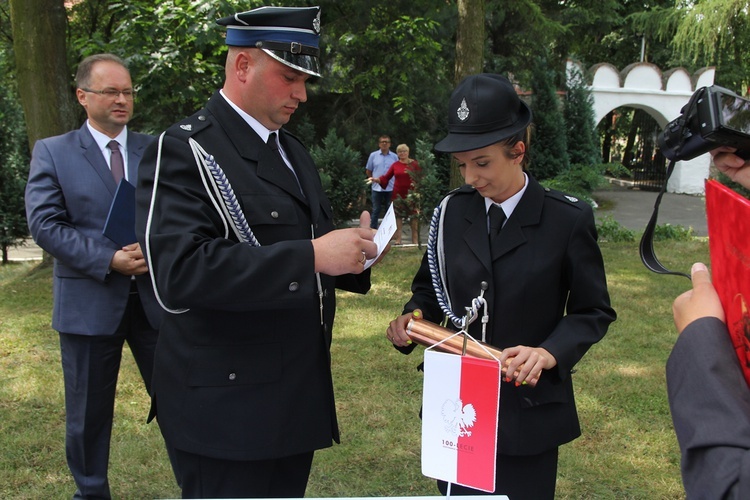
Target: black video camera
[(713, 117)]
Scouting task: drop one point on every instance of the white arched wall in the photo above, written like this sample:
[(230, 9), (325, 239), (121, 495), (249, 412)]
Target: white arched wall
[(662, 95)]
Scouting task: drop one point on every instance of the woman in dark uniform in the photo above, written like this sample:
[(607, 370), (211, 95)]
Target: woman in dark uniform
[(538, 267)]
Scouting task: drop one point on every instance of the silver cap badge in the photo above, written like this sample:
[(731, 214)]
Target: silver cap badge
[(316, 23), (463, 111)]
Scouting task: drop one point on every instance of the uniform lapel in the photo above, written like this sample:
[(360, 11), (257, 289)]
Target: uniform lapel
[(528, 212), (475, 235), (271, 167), (306, 173)]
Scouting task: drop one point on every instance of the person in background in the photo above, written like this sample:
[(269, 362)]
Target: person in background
[(532, 254), (708, 396), (102, 291), (401, 171), (378, 164), (241, 242)]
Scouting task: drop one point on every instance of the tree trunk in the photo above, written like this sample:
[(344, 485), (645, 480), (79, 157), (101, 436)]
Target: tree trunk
[(469, 53), (469, 39), (44, 81)]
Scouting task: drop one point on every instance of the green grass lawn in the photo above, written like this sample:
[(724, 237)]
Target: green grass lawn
[(628, 448)]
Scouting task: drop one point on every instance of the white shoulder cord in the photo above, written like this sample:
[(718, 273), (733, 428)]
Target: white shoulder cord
[(202, 161), (436, 262), (149, 220)]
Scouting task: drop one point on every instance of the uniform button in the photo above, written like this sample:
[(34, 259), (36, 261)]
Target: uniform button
[(275, 214), (232, 376), (293, 286), (201, 118)]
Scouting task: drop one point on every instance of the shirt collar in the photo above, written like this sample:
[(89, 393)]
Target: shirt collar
[(509, 205), (102, 139), (259, 129)]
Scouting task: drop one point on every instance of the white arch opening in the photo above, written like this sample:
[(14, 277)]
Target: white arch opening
[(662, 95)]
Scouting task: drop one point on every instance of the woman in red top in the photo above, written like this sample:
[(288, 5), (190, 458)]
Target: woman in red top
[(401, 187)]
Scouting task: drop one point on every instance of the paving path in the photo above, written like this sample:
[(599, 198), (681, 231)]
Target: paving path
[(633, 208)]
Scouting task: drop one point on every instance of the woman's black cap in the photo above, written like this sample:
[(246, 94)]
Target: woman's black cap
[(484, 109)]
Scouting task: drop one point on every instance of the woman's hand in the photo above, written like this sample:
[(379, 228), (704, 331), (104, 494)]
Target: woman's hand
[(396, 331), (524, 364)]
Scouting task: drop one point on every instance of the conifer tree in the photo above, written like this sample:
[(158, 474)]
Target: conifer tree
[(579, 120), (549, 151)]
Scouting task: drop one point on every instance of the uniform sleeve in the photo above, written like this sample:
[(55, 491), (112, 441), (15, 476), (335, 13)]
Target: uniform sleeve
[(51, 223), (710, 404), (588, 312), (423, 298)]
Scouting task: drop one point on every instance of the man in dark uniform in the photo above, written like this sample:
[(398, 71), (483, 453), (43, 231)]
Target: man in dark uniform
[(242, 248)]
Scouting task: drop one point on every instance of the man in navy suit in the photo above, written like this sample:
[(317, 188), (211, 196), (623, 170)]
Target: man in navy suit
[(102, 291)]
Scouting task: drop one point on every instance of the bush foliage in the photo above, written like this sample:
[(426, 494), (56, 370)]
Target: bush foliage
[(342, 179)]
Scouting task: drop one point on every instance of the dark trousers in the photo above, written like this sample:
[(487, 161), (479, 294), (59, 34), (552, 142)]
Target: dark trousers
[(530, 477), (380, 202), (91, 364), (205, 477)]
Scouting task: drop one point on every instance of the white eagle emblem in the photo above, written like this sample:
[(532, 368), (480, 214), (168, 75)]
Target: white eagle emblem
[(187, 127), (458, 418)]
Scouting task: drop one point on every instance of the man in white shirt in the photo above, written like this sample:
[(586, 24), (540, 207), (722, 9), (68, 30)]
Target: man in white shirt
[(102, 290), (377, 165)]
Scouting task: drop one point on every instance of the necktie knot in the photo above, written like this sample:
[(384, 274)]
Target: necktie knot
[(497, 218), (116, 163)]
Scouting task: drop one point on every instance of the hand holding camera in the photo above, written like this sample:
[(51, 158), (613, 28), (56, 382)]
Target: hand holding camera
[(733, 166), (714, 117)]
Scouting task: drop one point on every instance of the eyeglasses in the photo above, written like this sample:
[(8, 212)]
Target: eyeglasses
[(113, 93), (385, 142)]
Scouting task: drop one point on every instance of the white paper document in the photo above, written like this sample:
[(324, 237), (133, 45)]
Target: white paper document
[(385, 232)]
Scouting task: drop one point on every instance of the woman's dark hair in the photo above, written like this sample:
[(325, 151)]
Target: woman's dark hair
[(522, 136)]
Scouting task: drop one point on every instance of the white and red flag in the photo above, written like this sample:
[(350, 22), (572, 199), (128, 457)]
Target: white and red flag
[(461, 399)]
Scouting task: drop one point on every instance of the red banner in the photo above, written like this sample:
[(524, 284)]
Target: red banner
[(461, 401), (728, 217)]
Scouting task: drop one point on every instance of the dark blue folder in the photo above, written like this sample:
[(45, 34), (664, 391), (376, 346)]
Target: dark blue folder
[(120, 224)]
